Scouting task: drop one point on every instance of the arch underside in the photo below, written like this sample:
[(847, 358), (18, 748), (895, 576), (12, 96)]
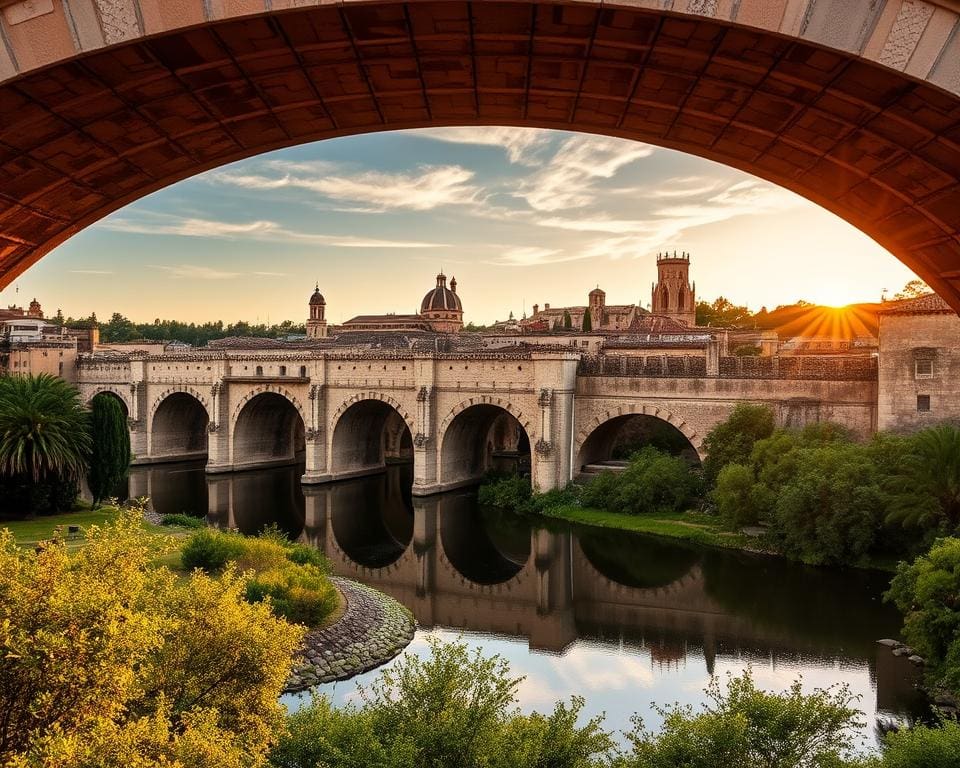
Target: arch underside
[(82, 138), (366, 435), (268, 430), (179, 428), (476, 438), (617, 436)]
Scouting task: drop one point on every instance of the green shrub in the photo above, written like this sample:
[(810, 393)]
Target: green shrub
[(183, 521), (261, 554), (923, 747), (508, 493), (926, 592), (211, 550), (304, 555), (652, 482), (300, 593), (733, 440), (736, 496)]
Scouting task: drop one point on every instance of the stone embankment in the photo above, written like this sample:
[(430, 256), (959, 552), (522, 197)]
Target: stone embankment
[(372, 630), (947, 703)]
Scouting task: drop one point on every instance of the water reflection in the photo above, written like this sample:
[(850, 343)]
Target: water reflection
[(634, 619)]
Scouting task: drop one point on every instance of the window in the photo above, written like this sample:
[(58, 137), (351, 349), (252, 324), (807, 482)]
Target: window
[(259, 370), (283, 370), (923, 403), (924, 368), (303, 371)]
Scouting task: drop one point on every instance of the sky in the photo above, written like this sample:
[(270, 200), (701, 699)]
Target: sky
[(519, 216)]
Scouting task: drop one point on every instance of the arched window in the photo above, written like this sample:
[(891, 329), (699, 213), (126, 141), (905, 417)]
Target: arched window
[(283, 370), (303, 371), (259, 370)]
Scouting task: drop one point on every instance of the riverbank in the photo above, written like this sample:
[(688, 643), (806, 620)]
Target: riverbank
[(373, 629)]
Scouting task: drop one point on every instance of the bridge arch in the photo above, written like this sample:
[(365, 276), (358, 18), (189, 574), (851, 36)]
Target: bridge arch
[(120, 393), (267, 427), (855, 106), (366, 430), (178, 420), (597, 439), (467, 437)]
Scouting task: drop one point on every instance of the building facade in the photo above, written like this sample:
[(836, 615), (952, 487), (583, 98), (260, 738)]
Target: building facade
[(441, 311), (673, 295)]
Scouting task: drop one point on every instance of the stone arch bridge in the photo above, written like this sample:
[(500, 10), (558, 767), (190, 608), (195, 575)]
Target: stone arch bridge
[(348, 413)]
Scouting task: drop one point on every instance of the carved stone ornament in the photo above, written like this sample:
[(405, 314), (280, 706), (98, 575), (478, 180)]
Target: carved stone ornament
[(212, 427), (133, 423), (420, 440), (312, 434), (314, 391), (422, 395), (545, 398), (542, 447)]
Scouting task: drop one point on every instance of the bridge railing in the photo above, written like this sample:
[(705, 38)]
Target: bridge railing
[(806, 367)]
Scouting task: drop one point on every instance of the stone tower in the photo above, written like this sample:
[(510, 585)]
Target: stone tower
[(317, 322), (672, 294)]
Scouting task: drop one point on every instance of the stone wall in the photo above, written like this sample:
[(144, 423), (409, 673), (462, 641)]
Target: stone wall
[(906, 339)]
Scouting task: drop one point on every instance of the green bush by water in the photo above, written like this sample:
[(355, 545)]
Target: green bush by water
[(179, 520)]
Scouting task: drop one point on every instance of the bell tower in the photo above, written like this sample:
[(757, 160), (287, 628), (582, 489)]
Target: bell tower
[(672, 294), (317, 322)]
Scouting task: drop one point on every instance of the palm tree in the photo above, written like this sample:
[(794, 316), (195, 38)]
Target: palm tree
[(44, 429), (928, 483)]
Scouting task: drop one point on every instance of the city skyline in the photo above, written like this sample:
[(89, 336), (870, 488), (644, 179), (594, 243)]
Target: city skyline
[(519, 216)]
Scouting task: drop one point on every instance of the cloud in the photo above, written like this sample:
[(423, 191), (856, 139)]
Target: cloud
[(425, 189), (522, 145), (150, 223), (91, 271), (195, 272), (569, 180)]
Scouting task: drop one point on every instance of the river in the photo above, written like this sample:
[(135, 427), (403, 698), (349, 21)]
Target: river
[(624, 620)]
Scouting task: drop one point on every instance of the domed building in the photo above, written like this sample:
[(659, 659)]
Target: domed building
[(441, 307), (440, 311), (317, 322)]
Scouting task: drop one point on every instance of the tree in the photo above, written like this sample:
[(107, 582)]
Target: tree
[(927, 483), (736, 496), (733, 440), (567, 321), (587, 321), (923, 747), (110, 454), (108, 660), (453, 708), (926, 592), (723, 313), (912, 289), (44, 442), (750, 728), (119, 329)]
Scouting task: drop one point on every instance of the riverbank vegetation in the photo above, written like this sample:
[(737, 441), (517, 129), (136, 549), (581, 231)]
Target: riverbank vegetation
[(814, 494)]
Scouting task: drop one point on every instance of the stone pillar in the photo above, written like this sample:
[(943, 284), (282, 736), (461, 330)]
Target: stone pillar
[(713, 358), (317, 462), (219, 433), (426, 440), (555, 378)]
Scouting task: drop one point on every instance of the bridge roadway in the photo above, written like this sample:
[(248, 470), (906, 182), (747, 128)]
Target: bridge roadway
[(346, 413)]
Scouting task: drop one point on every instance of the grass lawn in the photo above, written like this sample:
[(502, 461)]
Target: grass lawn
[(691, 526)]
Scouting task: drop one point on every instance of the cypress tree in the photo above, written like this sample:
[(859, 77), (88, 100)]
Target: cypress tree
[(567, 321), (587, 321), (110, 459)]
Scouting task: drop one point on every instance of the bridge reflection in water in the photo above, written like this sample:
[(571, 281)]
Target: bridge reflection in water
[(560, 588)]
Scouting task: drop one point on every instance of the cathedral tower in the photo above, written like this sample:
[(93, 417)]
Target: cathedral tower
[(673, 295), (317, 322)]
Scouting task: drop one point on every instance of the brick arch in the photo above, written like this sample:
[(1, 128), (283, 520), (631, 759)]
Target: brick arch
[(123, 393), (638, 409), (508, 406), (185, 389), (265, 389), (361, 397), (861, 117)]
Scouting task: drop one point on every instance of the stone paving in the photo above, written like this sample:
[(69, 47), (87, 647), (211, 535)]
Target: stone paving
[(373, 629)]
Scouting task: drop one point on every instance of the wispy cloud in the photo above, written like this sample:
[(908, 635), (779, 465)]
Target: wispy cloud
[(533, 256), (424, 189), (91, 271), (150, 223), (195, 272), (570, 179), (522, 145)]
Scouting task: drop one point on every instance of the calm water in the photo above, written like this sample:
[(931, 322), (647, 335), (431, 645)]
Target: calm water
[(621, 619)]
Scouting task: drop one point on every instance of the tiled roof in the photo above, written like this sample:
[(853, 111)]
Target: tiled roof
[(929, 302)]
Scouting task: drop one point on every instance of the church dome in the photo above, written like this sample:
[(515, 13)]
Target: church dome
[(442, 298), (317, 297)]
